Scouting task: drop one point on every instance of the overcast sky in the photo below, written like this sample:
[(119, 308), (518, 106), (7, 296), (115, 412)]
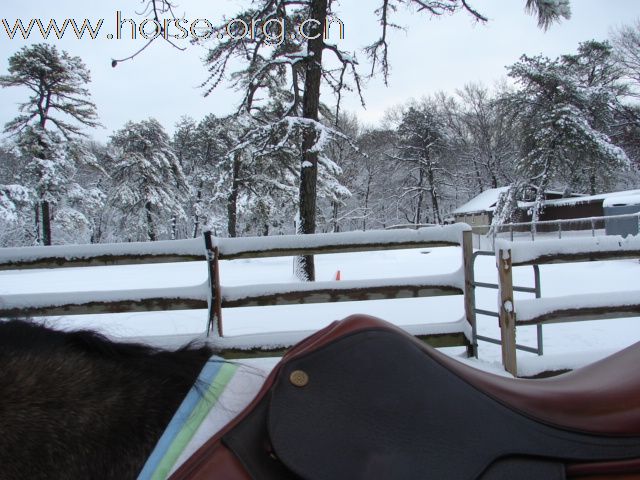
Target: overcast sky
[(429, 56)]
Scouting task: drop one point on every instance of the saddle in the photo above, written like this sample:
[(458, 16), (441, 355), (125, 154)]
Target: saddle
[(362, 399)]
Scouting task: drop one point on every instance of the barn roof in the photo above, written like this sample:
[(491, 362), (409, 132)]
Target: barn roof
[(605, 197), (486, 201)]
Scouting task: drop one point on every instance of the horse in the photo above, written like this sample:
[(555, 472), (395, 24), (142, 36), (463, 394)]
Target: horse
[(359, 399), (76, 405)]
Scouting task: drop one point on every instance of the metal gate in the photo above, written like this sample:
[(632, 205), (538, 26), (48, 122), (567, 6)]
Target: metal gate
[(494, 286)]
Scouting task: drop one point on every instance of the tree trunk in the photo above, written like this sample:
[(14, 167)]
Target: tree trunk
[(367, 194), (592, 184), (434, 195), (174, 227), (232, 200), (196, 217), (494, 178), (46, 223), (335, 207), (36, 211), (151, 230), (478, 176), (418, 215), (310, 108)]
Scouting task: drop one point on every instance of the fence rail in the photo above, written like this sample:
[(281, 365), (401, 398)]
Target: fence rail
[(98, 255), (214, 296), (562, 227)]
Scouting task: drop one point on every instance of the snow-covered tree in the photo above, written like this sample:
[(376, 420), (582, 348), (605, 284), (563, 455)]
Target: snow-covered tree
[(421, 144), (565, 110), (198, 147), (289, 58), (272, 151), (273, 61), (14, 201), (149, 185), (52, 117)]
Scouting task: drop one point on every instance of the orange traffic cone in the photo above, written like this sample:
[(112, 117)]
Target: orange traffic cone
[(338, 275)]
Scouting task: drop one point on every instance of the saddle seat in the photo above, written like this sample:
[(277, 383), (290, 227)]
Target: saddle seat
[(362, 399)]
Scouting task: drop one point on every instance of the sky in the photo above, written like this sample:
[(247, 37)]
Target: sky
[(427, 56)]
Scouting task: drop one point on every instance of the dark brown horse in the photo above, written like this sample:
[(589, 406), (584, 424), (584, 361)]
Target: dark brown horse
[(75, 405)]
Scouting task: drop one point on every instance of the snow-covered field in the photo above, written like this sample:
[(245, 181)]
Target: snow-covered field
[(566, 345)]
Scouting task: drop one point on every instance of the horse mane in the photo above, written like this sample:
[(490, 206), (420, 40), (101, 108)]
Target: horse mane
[(78, 405)]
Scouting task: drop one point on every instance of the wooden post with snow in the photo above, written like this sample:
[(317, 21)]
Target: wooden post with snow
[(469, 288), (215, 294), (507, 311)]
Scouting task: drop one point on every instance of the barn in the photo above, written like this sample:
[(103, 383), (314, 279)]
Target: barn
[(478, 212)]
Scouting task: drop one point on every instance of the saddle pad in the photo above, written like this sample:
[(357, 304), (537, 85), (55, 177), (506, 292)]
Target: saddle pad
[(221, 391)]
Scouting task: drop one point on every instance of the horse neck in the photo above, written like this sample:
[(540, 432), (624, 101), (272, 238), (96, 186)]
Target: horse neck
[(89, 410)]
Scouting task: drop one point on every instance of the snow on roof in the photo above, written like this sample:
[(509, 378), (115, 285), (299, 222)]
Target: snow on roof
[(486, 201), (592, 198), (622, 200)]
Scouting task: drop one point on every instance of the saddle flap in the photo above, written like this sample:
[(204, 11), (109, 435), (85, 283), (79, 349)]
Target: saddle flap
[(316, 431), (376, 404)]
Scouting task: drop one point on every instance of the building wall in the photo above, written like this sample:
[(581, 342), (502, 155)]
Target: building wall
[(622, 226), (477, 221)]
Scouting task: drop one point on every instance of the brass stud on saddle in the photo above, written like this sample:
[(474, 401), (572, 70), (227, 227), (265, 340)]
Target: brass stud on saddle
[(299, 378)]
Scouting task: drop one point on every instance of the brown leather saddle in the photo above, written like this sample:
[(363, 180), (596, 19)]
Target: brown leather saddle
[(362, 399)]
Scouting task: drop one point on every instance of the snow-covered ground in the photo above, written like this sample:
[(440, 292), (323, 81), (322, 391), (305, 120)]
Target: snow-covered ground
[(566, 345)]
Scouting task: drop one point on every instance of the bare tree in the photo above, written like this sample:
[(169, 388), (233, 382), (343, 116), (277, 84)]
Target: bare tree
[(626, 42)]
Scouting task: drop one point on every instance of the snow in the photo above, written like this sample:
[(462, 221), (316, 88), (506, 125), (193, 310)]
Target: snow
[(486, 201), (80, 252), (238, 293), (508, 306), (195, 247), (55, 299), (622, 200), (528, 310), (522, 252), (606, 197), (448, 233)]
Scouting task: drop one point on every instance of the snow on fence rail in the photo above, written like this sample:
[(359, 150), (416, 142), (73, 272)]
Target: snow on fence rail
[(560, 309), (560, 227), (101, 254), (215, 296)]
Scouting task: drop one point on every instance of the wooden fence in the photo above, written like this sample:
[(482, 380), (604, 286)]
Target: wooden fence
[(215, 297), (569, 308)]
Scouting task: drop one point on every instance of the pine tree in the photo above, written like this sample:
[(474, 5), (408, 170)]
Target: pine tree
[(53, 116), (149, 185), (565, 110)]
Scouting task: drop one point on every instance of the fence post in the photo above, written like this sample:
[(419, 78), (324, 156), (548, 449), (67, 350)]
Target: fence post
[(215, 298), (469, 289), (507, 312)]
